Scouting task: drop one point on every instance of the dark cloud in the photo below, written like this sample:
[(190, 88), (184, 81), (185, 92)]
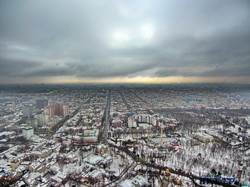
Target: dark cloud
[(12, 68), (124, 39)]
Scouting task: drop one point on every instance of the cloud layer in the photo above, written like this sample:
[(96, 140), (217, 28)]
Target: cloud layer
[(105, 39)]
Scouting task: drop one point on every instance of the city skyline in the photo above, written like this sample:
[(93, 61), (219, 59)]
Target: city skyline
[(125, 42)]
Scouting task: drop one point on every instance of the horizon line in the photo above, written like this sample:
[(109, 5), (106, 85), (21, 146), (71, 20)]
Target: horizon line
[(117, 83)]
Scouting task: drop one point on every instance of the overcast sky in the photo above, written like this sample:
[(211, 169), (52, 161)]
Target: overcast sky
[(124, 41)]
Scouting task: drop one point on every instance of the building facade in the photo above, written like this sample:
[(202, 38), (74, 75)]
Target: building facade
[(57, 110)]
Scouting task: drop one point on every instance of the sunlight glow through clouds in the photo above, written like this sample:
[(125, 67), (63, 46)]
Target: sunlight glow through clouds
[(148, 31), (138, 36), (121, 37)]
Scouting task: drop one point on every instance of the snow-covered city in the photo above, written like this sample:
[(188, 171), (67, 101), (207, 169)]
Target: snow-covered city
[(125, 135)]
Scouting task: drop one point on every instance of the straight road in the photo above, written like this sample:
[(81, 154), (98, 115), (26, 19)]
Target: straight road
[(105, 122), (125, 101)]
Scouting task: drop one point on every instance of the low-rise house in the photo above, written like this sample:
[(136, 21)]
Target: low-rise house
[(203, 137)]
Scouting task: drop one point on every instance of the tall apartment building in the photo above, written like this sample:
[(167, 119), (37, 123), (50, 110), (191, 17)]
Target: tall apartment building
[(58, 110), (28, 132), (41, 103), (27, 111), (149, 119)]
